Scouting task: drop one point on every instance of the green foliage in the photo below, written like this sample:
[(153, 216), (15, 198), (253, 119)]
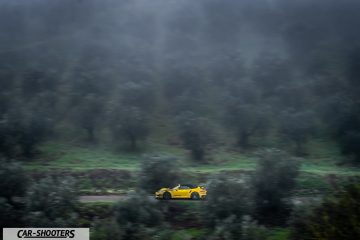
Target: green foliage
[(158, 172), (298, 127), (22, 131), (273, 181), (245, 114), (252, 231), (13, 182), (349, 136), (246, 229), (106, 230), (269, 72), (91, 212), (138, 216), (195, 133), (8, 215), (129, 124), (138, 93), (52, 202), (229, 201), (246, 120), (279, 234), (228, 228), (88, 114), (338, 217)]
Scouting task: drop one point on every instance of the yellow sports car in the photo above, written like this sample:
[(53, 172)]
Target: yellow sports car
[(182, 191)]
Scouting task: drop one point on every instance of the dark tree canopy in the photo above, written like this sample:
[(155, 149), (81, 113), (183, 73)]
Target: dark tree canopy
[(196, 134), (159, 172), (336, 218), (273, 181)]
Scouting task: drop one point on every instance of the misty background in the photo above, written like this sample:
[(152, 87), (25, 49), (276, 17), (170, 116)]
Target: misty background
[(75, 62), (261, 96)]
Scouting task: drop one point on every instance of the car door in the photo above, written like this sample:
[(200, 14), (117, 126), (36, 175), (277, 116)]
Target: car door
[(175, 192), (184, 191)]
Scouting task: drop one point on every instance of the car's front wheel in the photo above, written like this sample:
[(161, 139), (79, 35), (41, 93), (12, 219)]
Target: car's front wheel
[(166, 196), (195, 196)]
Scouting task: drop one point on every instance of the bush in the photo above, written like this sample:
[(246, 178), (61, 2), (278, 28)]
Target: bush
[(195, 133), (298, 127), (158, 172), (106, 230), (226, 206), (130, 124), (12, 180), (13, 186), (246, 229), (273, 181), (138, 217), (338, 217), (52, 203)]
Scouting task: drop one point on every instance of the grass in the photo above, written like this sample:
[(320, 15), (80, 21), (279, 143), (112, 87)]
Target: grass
[(57, 155), (279, 234), (60, 156), (190, 233)]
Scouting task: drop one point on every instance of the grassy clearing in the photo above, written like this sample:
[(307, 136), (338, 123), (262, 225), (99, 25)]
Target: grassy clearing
[(61, 156), (56, 156)]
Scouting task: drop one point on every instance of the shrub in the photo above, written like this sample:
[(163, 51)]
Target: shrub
[(52, 203), (158, 172), (195, 133), (138, 217), (273, 181), (338, 217), (13, 186), (226, 206)]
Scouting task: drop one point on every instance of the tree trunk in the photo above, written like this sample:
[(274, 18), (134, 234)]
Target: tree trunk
[(198, 154), (299, 149), (133, 142), (243, 140), (90, 132)]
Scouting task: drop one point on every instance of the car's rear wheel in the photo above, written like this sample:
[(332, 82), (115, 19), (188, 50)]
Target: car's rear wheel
[(166, 196), (195, 196)]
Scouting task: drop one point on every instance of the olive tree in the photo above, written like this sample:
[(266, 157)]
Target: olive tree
[(195, 133), (13, 181), (273, 182), (129, 124), (158, 172), (246, 120), (227, 205), (138, 217), (298, 127), (337, 217), (52, 202)]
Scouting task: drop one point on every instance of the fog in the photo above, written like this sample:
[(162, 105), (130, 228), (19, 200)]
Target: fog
[(255, 100)]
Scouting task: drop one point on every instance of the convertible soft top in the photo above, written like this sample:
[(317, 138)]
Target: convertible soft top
[(189, 185)]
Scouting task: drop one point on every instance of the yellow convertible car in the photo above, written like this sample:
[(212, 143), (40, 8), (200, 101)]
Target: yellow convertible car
[(182, 191)]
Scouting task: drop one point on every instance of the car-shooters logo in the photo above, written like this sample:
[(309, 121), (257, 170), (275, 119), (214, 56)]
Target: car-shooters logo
[(46, 233)]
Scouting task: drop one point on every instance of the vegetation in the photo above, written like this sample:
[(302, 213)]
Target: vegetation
[(51, 202), (195, 132), (137, 217), (273, 182), (159, 172), (337, 217), (91, 90), (13, 182)]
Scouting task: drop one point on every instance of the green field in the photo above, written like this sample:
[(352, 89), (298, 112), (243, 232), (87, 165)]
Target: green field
[(55, 156)]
